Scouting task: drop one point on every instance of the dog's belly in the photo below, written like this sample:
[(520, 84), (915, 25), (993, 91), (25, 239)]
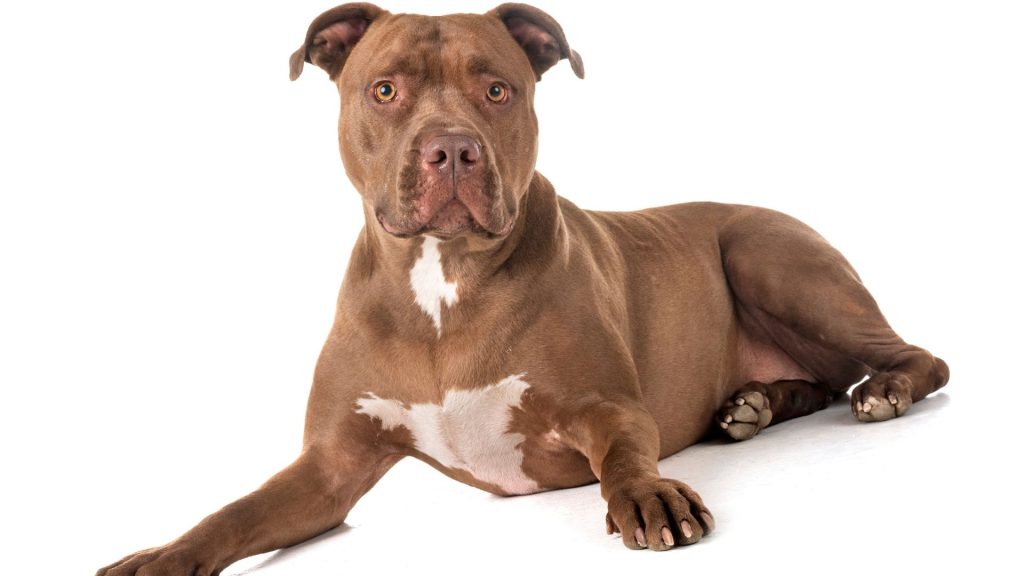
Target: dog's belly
[(468, 434)]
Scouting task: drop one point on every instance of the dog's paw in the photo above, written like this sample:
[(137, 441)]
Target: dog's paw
[(170, 560), (657, 514), (883, 397), (745, 414)]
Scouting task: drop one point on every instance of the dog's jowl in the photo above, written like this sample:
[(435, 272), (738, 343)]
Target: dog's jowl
[(518, 343)]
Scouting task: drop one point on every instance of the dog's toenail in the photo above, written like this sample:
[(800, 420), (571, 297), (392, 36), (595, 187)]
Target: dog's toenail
[(640, 538), (708, 521), (686, 529), (666, 536), (740, 401)]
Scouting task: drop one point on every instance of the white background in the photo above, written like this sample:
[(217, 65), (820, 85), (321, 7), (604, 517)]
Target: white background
[(175, 222)]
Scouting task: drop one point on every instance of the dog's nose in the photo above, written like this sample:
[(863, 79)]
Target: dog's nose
[(450, 152)]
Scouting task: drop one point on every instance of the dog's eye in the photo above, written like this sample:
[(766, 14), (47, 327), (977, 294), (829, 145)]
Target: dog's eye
[(385, 91), (497, 93)]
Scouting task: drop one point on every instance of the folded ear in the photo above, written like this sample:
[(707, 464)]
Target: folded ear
[(331, 37), (540, 36)]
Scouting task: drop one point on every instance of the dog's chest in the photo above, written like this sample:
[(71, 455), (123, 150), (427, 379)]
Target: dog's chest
[(469, 431)]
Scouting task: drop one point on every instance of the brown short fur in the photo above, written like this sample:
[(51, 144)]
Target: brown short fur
[(638, 333)]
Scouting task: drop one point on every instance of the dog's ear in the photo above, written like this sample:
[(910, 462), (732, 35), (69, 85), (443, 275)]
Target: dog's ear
[(331, 37), (540, 36)]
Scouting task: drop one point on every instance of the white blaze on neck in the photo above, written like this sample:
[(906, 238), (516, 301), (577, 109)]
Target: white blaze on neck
[(429, 284), (467, 431)]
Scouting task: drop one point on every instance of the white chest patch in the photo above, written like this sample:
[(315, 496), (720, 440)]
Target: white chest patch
[(467, 431), (429, 284)]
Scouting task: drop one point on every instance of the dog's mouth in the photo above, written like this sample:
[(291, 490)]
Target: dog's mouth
[(449, 185), (452, 220), (472, 203)]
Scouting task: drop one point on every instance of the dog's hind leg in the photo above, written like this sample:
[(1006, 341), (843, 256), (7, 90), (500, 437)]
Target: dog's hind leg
[(793, 287), (758, 405)]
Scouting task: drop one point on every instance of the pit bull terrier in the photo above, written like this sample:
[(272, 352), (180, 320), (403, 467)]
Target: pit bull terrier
[(518, 343)]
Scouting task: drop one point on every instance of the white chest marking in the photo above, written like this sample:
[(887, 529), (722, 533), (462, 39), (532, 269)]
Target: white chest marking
[(467, 431), (429, 284)]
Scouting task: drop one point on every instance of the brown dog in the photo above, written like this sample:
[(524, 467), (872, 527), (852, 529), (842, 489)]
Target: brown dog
[(518, 343)]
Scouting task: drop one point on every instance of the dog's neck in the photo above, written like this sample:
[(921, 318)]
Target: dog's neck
[(446, 273)]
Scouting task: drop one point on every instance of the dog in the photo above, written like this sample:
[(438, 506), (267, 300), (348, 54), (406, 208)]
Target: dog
[(518, 343)]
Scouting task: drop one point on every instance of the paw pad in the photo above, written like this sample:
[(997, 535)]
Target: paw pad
[(745, 414), (883, 397)]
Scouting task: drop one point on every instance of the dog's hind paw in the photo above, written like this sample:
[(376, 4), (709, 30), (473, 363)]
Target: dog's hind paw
[(883, 397), (745, 414)]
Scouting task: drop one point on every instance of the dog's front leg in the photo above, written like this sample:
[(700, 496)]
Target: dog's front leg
[(311, 496), (620, 439)]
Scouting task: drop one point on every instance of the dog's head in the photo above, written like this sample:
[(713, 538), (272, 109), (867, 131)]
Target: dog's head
[(437, 128)]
